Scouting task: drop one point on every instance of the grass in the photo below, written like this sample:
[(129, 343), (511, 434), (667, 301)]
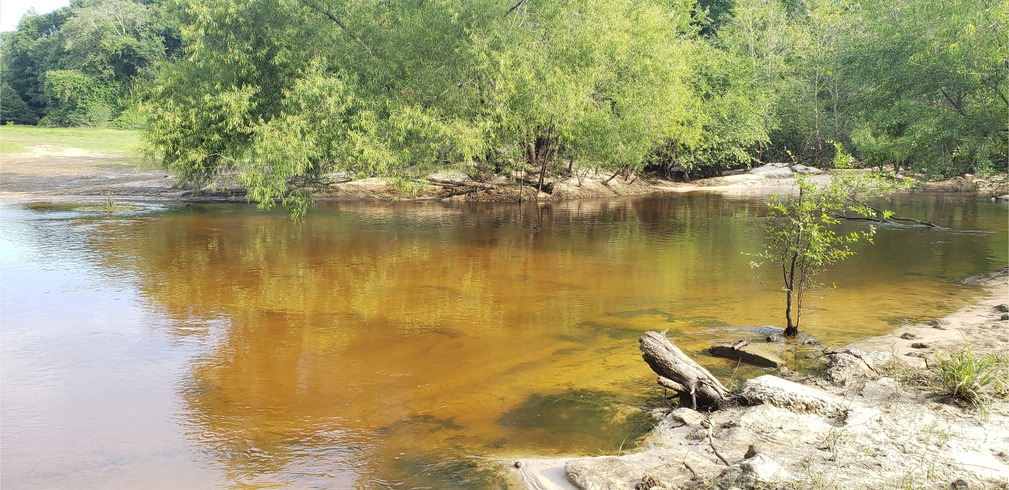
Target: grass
[(114, 143), (974, 379)]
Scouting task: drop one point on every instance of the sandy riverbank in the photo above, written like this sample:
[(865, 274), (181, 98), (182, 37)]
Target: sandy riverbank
[(892, 430), (69, 174)]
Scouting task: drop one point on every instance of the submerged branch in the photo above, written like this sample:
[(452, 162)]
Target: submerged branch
[(892, 219)]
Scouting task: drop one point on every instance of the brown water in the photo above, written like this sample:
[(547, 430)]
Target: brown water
[(399, 345)]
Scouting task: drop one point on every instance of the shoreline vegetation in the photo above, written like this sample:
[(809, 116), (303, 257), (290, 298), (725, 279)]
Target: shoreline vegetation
[(101, 164), (586, 91)]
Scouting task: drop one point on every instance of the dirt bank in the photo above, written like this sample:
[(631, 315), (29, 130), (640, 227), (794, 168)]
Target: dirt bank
[(890, 429), (68, 174)]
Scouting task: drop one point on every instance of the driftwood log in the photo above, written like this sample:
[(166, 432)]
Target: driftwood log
[(680, 373)]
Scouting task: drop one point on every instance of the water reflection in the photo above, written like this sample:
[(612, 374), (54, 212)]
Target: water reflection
[(375, 345)]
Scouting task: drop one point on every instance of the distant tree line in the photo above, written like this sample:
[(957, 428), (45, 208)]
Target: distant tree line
[(280, 91), (79, 65)]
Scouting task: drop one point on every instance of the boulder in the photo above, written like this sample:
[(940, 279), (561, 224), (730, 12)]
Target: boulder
[(749, 473), (772, 171), (791, 396), (802, 169)]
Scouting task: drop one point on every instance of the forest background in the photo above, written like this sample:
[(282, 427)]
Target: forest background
[(277, 94)]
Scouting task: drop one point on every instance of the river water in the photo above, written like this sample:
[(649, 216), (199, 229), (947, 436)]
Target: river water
[(401, 345)]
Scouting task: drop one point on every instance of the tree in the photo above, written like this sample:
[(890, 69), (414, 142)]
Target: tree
[(801, 231), (932, 85), (94, 51)]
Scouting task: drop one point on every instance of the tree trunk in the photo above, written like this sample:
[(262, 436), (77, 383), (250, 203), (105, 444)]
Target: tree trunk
[(681, 373)]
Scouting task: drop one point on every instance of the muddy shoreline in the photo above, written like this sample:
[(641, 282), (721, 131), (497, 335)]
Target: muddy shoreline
[(894, 432)]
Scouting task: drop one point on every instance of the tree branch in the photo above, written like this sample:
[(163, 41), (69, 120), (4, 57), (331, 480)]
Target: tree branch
[(517, 5), (959, 108), (890, 220), (343, 26)]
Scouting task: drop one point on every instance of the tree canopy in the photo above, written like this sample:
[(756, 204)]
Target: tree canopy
[(276, 94)]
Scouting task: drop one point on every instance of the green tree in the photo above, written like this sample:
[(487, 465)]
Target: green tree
[(13, 109), (933, 85), (802, 240), (95, 49), (28, 53), (277, 93)]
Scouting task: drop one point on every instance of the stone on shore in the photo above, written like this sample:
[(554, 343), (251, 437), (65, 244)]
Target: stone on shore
[(791, 396)]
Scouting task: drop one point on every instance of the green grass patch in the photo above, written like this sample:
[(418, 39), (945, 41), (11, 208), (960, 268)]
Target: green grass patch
[(94, 141)]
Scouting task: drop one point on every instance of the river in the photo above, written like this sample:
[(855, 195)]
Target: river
[(402, 344)]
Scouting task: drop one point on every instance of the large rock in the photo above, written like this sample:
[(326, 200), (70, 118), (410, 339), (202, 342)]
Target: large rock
[(791, 396), (772, 171), (854, 365), (757, 470)]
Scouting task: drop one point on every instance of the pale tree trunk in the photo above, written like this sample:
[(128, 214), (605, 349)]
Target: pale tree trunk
[(680, 373)]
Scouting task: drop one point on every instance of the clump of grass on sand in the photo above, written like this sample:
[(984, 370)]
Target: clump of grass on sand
[(973, 379)]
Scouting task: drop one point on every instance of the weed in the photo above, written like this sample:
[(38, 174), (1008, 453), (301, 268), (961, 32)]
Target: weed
[(972, 379)]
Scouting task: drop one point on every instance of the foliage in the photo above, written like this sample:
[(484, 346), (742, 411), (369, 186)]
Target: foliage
[(801, 231), (973, 379), (75, 66), (78, 99), (932, 85), (275, 95), (13, 108)]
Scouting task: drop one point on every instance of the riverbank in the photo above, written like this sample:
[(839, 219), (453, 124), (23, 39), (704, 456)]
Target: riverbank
[(73, 173), (886, 425)]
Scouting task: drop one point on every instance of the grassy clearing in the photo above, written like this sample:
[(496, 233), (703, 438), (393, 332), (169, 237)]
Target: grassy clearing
[(111, 143)]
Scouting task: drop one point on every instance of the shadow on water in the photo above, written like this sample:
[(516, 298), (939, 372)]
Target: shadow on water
[(607, 421)]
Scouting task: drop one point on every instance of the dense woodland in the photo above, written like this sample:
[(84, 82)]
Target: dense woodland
[(273, 92)]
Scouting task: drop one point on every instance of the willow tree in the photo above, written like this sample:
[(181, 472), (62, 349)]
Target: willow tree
[(277, 94)]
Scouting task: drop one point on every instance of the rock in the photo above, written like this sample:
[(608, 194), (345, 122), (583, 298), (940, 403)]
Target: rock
[(758, 470), (1002, 308), (802, 169), (775, 338), (790, 396), (959, 484), (852, 364), (940, 324), (919, 345), (908, 336), (811, 341), (1005, 316), (748, 353), (607, 472), (772, 171), (687, 416)]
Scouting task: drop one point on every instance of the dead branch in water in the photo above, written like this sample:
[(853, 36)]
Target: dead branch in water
[(681, 373)]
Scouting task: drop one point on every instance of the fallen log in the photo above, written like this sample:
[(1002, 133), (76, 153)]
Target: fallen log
[(681, 373)]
